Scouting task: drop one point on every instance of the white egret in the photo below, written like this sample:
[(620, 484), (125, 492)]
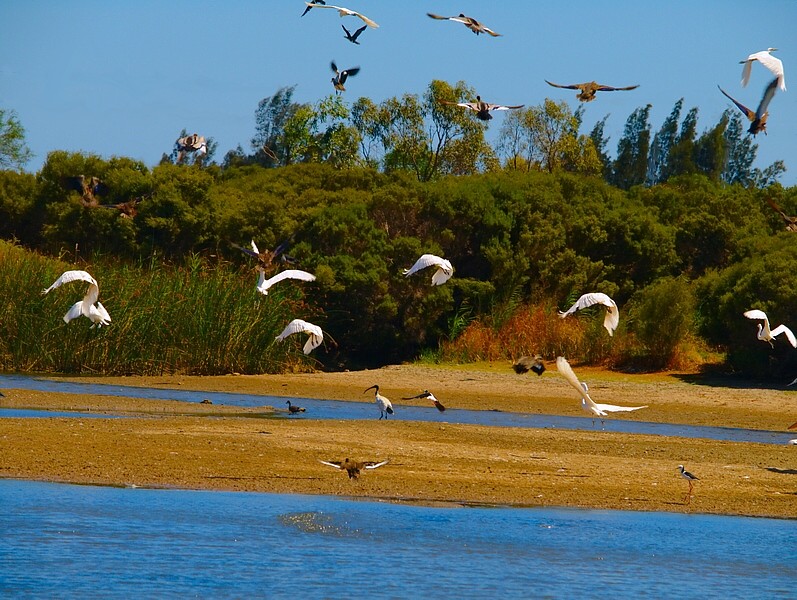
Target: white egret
[(264, 284), (597, 410), (86, 307), (385, 405), (612, 318), (429, 396), (767, 335), (444, 268), (758, 117), (296, 326), (343, 12), (775, 65), (482, 108), (690, 478), (293, 409), (524, 364), (353, 467), (341, 76), (588, 90), (468, 22)]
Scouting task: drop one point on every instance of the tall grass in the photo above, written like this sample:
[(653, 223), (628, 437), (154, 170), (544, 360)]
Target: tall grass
[(198, 319)]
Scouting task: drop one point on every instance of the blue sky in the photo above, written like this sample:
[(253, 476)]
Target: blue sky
[(123, 78)]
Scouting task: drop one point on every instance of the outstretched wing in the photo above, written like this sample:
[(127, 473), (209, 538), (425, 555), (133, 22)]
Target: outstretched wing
[(756, 314), (264, 284), (769, 93), (788, 332), (747, 112), (337, 465), (375, 465), (612, 318), (566, 87), (615, 408), (70, 276), (609, 88), (428, 260), (503, 107), (439, 17)]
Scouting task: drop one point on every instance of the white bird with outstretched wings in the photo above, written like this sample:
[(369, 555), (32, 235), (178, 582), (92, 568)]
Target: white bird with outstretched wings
[(444, 268), (299, 326), (264, 284), (612, 318), (86, 307)]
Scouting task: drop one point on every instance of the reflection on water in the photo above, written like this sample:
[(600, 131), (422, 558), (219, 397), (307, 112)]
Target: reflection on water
[(82, 541)]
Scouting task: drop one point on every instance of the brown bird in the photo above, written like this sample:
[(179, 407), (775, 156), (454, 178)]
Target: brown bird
[(481, 108), (430, 396), (265, 259), (341, 76), (88, 189), (353, 467), (293, 409), (588, 90), (128, 209), (524, 364), (791, 222), (757, 118), (469, 22)]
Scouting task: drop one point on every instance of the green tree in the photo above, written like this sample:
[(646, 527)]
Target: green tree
[(631, 165), (271, 118), (680, 159), (740, 152), (710, 151), (13, 150), (660, 148)]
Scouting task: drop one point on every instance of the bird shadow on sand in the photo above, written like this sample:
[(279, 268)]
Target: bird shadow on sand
[(781, 471), (714, 377)]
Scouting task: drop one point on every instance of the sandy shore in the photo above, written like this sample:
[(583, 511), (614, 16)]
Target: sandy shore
[(192, 445)]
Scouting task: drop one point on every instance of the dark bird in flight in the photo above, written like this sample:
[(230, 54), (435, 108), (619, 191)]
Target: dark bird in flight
[(482, 108), (353, 467), (524, 364), (353, 38), (341, 76), (469, 22), (588, 90), (757, 118), (429, 395), (310, 6)]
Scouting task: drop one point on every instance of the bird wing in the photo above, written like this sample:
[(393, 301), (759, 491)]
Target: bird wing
[(490, 31), (375, 465), (609, 88), (566, 87), (748, 113), (359, 31), (74, 311), (567, 372), (313, 342), (775, 65), (612, 318), (298, 325), (105, 318), (345, 12), (337, 465), (756, 314), (503, 107), (334, 67), (615, 408), (442, 275), (434, 16), (70, 276), (254, 253), (769, 93), (789, 334), (92, 294), (427, 260), (264, 284), (348, 73), (348, 33), (746, 70)]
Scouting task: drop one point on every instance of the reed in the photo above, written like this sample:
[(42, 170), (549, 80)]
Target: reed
[(199, 319)]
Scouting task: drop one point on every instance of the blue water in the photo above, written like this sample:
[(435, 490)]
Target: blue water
[(332, 409), (81, 541)]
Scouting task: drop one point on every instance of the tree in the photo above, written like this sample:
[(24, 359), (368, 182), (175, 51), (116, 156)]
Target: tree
[(680, 159), (13, 150), (600, 141), (271, 118), (631, 164), (740, 152), (662, 142), (710, 153)]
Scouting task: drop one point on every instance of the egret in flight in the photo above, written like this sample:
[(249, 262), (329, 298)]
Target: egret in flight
[(444, 268), (264, 284), (429, 396), (297, 326), (597, 410), (353, 467), (587, 91), (767, 335), (612, 318), (468, 22), (343, 12), (385, 405), (482, 108), (86, 307), (775, 65), (757, 117)]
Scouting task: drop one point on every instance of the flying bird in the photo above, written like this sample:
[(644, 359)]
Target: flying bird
[(265, 259), (88, 189), (191, 143), (481, 108), (775, 65), (293, 409), (429, 395), (444, 268), (767, 335), (309, 7), (469, 22), (264, 284), (353, 467), (128, 209), (385, 405), (86, 307), (757, 118), (297, 326), (343, 12), (353, 38), (524, 364), (612, 318), (690, 478), (588, 90), (341, 76), (791, 222), (597, 410)]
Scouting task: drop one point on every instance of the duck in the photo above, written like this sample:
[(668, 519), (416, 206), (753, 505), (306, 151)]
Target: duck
[(757, 118), (469, 22), (353, 467), (429, 396), (588, 90), (524, 364)]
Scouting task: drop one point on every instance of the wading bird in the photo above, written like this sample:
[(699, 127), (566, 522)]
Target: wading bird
[(191, 143), (757, 118), (430, 396), (791, 222), (385, 405), (86, 307), (767, 335), (588, 90), (343, 12), (612, 318), (524, 364), (690, 478), (775, 65), (353, 37), (293, 409), (469, 22), (444, 268), (597, 410), (264, 284), (353, 467), (296, 326), (265, 259), (481, 108), (341, 76)]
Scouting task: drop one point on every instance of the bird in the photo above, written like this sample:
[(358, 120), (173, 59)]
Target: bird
[(385, 405), (427, 394), (89, 189), (296, 326), (308, 8), (353, 37), (128, 209), (612, 318), (757, 117), (265, 259), (524, 364), (264, 284), (341, 76), (791, 222), (293, 409), (86, 307), (588, 90), (792, 383), (690, 478), (353, 467), (343, 12), (444, 268), (767, 335), (191, 143), (469, 22), (775, 65), (481, 108), (597, 410)]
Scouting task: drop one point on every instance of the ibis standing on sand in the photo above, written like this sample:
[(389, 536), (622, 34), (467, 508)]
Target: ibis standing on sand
[(385, 405), (612, 318), (429, 396), (353, 467), (86, 307), (767, 335), (690, 478)]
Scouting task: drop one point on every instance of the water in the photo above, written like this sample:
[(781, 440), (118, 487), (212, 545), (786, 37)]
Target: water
[(332, 409), (83, 541)]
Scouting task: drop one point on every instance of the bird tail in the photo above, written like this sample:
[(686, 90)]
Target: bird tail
[(389, 410)]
